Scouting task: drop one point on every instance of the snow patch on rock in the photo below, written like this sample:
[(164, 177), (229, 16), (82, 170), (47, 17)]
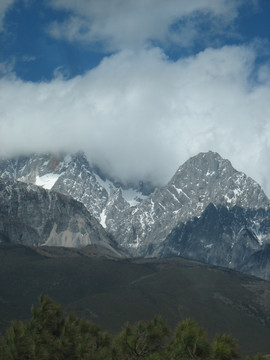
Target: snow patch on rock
[(47, 181)]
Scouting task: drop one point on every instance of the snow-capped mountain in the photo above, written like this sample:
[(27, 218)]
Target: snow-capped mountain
[(203, 179), (208, 211), (72, 175)]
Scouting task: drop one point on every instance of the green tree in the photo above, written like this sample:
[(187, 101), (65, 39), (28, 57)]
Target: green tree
[(190, 342), (17, 343), (82, 339), (45, 328), (50, 334), (144, 340), (225, 347)]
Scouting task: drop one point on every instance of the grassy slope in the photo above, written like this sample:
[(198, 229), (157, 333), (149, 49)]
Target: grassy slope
[(111, 292)]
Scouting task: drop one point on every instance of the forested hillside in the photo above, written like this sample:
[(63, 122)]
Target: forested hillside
[(51, 334)]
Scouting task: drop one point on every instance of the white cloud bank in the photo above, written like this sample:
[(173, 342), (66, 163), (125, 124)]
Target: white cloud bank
[(140, 115), (122, 24)]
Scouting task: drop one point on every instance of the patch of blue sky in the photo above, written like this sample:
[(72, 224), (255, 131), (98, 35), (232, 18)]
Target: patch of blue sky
[(35, 54)]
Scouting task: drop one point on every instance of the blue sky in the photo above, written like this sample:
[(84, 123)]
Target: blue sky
[(140, 86), (35, 54)]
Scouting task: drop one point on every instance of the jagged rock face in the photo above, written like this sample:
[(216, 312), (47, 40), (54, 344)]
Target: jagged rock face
[(220, 236), (205, 178), (34, 216), (208, 211), (78, 180), (72, 175), (258, 264)]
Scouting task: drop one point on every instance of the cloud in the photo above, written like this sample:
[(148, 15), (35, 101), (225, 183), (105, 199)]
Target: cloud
[(6, 67), (140, 115), (4, 6), (28, 58), (122, 24)]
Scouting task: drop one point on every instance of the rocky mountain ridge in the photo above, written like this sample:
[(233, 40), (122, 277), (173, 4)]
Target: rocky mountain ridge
[(35, 216), (73, 175), (203, 179), (208, 211), (220, 236)]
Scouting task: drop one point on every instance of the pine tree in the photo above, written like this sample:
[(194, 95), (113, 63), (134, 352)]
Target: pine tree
[(225, 347), (190, 342), (144, 340)]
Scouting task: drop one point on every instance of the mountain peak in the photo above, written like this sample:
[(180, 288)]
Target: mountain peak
[(206, 163), (212, 158), (203, 179), (208, 154), (206, 195), (213, 178)]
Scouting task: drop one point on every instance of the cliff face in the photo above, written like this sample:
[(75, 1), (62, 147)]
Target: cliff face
[(34, 216), (221, 236)]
